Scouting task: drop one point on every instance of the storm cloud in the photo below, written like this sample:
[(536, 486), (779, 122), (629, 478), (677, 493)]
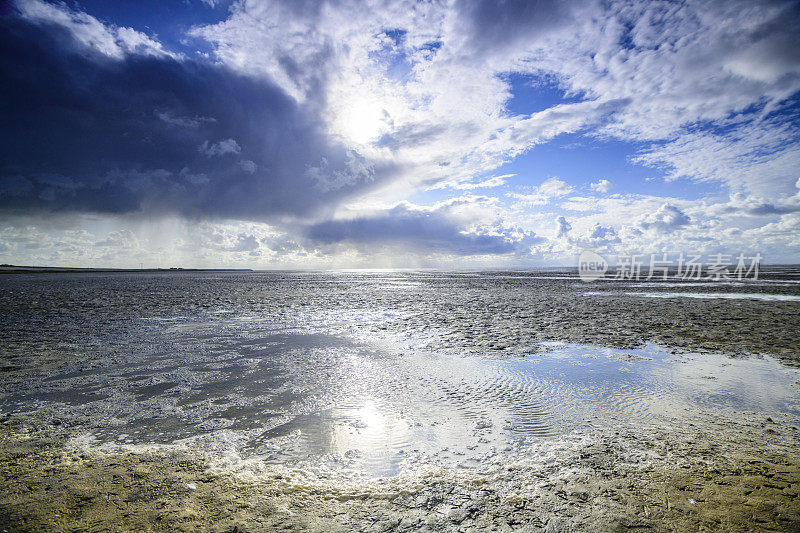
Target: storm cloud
[(419, 229), (155, 134)]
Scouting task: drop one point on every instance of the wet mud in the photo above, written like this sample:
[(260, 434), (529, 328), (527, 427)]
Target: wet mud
[(411, 401)]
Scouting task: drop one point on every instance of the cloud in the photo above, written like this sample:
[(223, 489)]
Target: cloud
[(602, 235), (182, 122), (554, 188), (391, 80), (494, 181), (741, 204), (443, 228), (562, 227), (114, 122), (515, 25), (109, 40), (120, 239), (765, 209), (602, 186), (227, 146), (709, 82), (15, 185), (248, 166), (301, 114), (666, 219), (645, 72), (550, 189), (598, 236), (245, 243), (222, 239), (758, 156)]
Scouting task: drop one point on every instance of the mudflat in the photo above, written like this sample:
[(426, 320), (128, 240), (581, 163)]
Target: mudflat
[(406, 400)]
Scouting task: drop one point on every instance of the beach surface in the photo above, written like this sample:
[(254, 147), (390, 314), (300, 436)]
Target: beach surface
[(398, 400)]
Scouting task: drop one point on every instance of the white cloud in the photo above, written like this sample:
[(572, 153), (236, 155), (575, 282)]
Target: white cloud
[(227, 146), (123, 238), (112, 41), (415, 92), (756, 157), (550, 189), (603, 233), (248, 166), (647, 71), (597, 237), (666, 219), (562, 227), (602, 186), (494, 181), (183, 122)]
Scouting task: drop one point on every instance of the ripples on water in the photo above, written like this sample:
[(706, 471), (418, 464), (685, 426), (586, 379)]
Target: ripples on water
[(266, 361), (292, 396)]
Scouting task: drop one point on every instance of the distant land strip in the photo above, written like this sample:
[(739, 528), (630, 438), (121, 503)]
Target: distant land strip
[(19, 269)]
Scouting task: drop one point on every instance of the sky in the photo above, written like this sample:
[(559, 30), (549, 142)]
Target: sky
[(396, 134)]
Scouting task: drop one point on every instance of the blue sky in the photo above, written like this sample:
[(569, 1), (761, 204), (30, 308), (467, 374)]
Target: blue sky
[(169, 22), (337, 134)]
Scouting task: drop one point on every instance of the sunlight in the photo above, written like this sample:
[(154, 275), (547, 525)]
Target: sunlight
[(372, 417), (360, 120)]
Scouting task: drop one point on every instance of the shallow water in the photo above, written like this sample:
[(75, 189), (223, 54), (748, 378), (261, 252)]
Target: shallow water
[(707, 295), (293, 395)]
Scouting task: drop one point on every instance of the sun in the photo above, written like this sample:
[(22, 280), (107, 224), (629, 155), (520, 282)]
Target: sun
[(359, 120)]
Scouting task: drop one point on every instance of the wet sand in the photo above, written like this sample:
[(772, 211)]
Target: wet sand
[(124, 409), (741, 476)]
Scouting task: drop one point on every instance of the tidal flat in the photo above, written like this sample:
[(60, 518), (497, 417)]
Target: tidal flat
[(398, 400)]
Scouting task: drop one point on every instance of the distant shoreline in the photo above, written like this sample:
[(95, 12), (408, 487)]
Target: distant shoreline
[(28, 269), (16, 269)]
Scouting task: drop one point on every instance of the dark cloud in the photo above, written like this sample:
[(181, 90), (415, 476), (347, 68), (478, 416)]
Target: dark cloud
[(418, 230), (87, 132), (411, 135), (497, 25), (282, 245), (245, 243), (770, 209), (766, 209)]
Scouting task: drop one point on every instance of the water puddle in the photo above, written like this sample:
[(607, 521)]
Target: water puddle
[(314, 397)]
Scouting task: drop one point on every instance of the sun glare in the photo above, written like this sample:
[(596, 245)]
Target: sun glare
[(359, 120)]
